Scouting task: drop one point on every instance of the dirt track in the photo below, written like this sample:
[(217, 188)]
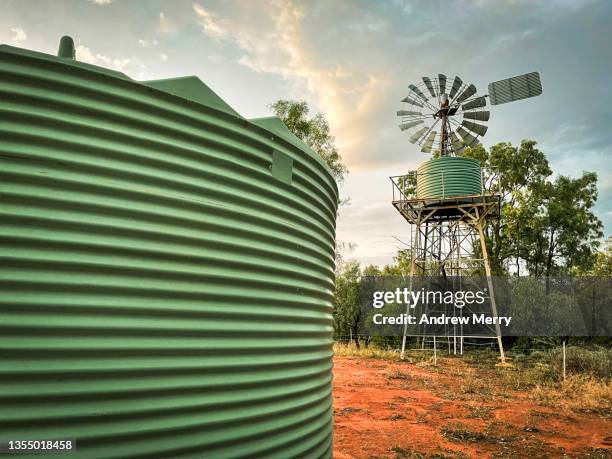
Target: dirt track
[(386, 409)]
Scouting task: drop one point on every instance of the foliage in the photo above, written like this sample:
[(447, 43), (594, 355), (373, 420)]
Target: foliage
[(602, 263), (349, 287), (594, 361), (314, 131), (346, 300), (342, 247), (566, 229), (407, 184), (517, 174), (401, 265), (547, 226), (371, 270)]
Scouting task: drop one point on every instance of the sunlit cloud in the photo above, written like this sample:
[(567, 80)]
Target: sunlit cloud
[(347, 96), (210, 25)]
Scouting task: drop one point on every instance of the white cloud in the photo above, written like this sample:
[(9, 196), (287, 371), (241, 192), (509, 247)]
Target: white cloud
[(163, 57), (102, 2), (19, 35), (165, 25), (145, 43), (210, 25), (83, 53)]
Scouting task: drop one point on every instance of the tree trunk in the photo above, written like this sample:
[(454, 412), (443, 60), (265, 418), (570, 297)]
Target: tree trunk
[(518, 266), (549, 259)]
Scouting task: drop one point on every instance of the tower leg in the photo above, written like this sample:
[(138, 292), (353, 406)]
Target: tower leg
[(487, 266), (414, 254)]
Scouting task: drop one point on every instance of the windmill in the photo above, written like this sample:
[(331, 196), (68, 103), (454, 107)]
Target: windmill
[(444, 117), (448, 208)]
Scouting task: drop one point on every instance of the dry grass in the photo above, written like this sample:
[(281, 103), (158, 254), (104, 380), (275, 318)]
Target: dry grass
[(543, 382), (350, 350), (478, 387), (402, 453), (397, 374), (422, 358), (480, 412), (577, 393), (469, 436), (374, 352), (588, 387)]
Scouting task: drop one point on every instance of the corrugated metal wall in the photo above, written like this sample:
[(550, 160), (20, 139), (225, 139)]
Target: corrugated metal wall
[(162, 294)]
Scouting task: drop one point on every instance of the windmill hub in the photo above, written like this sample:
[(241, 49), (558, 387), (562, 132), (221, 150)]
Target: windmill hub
[(444, 107)]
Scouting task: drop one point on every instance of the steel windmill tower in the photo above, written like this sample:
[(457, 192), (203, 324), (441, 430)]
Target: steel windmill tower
[(444, 200)]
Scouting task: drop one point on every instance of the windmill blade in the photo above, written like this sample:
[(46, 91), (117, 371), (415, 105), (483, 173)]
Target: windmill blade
[(476, 103), (442, 83), (408, 113), (429, 142), (469, 92), (417, 135), (410, 124), (468, 138), (474, 127), (456, 143), (418, 92), (515, 88), (410, 101), (430, 87), (456, 85), (478, 116)]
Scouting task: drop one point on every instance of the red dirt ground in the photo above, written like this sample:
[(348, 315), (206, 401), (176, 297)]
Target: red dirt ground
[(386, 409)]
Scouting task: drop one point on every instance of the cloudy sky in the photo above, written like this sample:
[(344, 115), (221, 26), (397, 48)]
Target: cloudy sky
[(353, 60)]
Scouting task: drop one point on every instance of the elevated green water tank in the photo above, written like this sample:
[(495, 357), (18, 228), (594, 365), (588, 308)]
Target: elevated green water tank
[(448, 176), (166, 269)]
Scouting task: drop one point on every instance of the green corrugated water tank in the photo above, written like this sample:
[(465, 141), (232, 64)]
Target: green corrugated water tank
[(166, 269), (448, 176)]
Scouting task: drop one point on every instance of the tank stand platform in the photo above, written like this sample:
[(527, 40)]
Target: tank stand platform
[(450, 208)]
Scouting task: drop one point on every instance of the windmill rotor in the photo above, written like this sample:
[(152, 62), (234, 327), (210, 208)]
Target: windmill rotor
[(445, 115)]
